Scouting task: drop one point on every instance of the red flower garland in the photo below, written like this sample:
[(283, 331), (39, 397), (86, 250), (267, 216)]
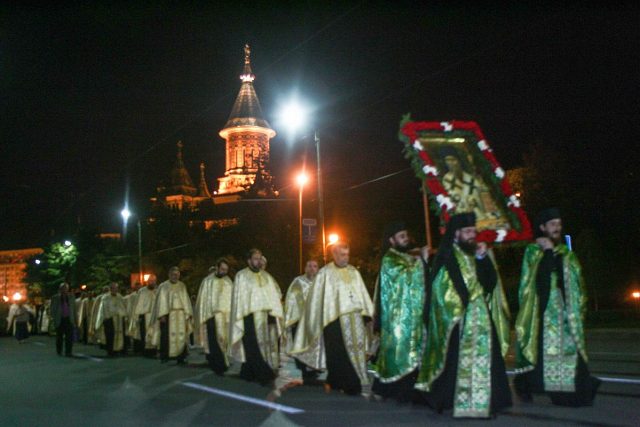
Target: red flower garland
[(411, 130)]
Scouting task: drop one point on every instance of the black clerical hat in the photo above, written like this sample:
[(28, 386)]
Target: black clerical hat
[(543, 217), (392, 228), (461, 220)]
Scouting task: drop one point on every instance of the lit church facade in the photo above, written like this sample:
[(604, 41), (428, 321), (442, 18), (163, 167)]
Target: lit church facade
[(247, 136)]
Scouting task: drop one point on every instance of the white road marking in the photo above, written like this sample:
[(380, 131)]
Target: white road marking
[(243, 398), (619, 380), (604, 379), (85, 356), (41, 344)]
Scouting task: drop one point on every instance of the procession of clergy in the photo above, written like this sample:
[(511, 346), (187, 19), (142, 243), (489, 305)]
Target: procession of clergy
[(436, 331)]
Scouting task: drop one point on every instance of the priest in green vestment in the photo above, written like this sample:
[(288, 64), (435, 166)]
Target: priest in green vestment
[(467, 327), (550, 352), (398, 320)]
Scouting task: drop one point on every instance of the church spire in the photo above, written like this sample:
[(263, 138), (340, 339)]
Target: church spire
[(203, 189), (247, 135), (180, 180), (247, 75), (246, 110)]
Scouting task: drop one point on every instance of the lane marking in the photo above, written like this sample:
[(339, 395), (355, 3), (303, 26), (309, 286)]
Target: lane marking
[(41, 344), (605, 379), (86, 356), (619, 380), (243, 398)]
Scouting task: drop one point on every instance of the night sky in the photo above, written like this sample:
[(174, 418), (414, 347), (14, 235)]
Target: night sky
[(94, 97)]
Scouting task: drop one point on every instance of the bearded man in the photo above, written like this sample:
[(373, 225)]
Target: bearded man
[(550, 353), (468, 327), (256, 321), (399, 299), (212, 311)]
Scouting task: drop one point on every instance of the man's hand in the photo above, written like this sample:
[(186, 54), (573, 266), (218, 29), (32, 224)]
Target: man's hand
[(481, 249), (424, 252), (545, 243)]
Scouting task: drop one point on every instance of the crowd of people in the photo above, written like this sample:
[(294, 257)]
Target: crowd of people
[(435, 333)]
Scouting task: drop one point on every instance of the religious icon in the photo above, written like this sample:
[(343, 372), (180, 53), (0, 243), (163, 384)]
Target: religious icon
[(462, 175)]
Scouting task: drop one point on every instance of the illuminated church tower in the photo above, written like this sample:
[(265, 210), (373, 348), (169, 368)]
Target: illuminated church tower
[(247, 136)]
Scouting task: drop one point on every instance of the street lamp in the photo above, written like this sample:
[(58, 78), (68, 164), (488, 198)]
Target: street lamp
[(301, 180), (67, 243), (333, 238), (294, 115), (126, 214)]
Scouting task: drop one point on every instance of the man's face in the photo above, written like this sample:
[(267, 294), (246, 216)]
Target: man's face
[(223, 269), (553, 230), (453, 164), (255, 262), (311, 269), (466, 239), (151, 283), (174, 275), (341, 256), (113, 288), (263, 262), (400, 240)]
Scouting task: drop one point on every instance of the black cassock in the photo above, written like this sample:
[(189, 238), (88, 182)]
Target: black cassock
[(443, 389), (533, 381)]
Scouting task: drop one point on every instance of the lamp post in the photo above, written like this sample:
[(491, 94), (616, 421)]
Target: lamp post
[(316, 139), (126, 214), (301, 179), (294, 116)]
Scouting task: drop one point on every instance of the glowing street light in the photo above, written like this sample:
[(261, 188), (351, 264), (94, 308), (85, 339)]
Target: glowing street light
[(635, 295), (17, 296), (294, 117), (126, 214), (38, 261), (302, 179), (67, 243), (333, 238), (5, 298)]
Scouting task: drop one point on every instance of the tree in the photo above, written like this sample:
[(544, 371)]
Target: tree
[(58, 264)]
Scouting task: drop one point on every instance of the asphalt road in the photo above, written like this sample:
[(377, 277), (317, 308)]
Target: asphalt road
[(39, 388)]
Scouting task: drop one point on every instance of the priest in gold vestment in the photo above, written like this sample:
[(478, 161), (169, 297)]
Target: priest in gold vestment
[(256, 322), (140, 323), (335, 331), (172, 318), (110, 315), (294, 303), (96, 336), (212, 312)]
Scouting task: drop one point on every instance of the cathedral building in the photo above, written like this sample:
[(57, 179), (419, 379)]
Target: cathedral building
[(246, 134)]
